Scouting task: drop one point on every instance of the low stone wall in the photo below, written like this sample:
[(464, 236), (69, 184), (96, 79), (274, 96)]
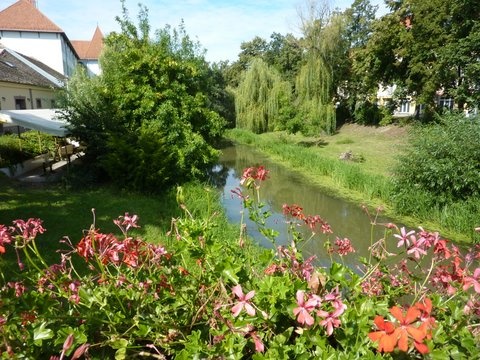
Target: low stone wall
[(24, 167)]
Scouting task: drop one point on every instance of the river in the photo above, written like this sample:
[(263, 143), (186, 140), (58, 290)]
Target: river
[(285, 186)]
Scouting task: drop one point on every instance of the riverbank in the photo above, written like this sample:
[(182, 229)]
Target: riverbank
[(364, 179)]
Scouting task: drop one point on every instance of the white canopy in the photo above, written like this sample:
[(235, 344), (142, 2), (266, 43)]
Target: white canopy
[(44, 120)]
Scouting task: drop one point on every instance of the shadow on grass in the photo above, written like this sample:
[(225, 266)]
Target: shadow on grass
[(313, 143)]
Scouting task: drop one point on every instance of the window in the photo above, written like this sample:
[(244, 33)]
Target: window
[(404, 106), (52, 104), (39, 103), (446, 103), (20, 103)]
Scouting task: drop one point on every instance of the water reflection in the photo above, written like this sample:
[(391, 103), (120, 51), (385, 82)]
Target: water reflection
[(287, 187)]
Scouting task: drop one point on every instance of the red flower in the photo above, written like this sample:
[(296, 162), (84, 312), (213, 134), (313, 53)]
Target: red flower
[(385, 336), (406, 327), (398, 334), (251, 174)]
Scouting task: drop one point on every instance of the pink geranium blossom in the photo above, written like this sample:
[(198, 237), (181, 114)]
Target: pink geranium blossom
[(417, 248), (404, 237), (330, 320), (302, 312), (259, 346), (243, 301), (473, 281)]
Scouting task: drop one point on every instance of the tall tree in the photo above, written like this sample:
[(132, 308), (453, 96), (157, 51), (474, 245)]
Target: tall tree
[(155, 122), (284, 52), (354, 92), (427, 47), (250, 50), (260, 97), (315, 83)]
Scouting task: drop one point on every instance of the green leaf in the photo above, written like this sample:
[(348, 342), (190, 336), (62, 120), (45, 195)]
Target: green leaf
[(121, 354), (41, 333), (230, 274), (338, 271)]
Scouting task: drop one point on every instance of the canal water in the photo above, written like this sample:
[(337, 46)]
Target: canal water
[(288, 187)]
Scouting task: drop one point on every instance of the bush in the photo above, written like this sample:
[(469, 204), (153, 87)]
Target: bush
[(367, 113), (15, 149), (442, 159)]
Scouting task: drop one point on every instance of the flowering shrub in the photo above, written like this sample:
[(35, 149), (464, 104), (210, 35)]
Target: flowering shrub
[(200, 296)]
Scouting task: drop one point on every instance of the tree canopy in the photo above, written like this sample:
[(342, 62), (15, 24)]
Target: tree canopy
[(428, 47), (148, 120)]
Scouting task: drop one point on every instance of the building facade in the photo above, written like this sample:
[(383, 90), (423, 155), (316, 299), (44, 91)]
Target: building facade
[(26, 30)]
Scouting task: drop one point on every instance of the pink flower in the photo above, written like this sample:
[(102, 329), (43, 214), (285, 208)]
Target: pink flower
[(18, 286), (404, 237), (343, 246), (5, 238), (244, 301), (302, 312), (335, 299), (126, 222), (262, 173), (473, 281), (30, 228), (259, 347), (417, 248), (330, 320), (251, 174)]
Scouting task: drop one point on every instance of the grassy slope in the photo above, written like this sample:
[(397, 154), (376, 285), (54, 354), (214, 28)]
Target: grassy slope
[(318, 158), (377, 145)]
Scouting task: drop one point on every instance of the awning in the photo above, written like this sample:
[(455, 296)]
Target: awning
[(43, 120)]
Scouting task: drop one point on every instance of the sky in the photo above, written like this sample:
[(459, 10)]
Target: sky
[(219, 25)]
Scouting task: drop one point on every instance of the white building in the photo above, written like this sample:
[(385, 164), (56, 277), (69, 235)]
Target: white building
[(25, 29), (89, 51)]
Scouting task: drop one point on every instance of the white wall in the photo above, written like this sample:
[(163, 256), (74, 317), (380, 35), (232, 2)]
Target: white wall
[(93, 66), (49, 48)]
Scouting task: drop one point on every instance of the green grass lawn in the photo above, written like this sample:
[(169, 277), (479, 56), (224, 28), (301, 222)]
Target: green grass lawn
[(378, 146), (69, 212)]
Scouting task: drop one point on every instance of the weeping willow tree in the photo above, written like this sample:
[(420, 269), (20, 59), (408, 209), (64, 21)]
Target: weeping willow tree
[(260, 97), (323, 42)]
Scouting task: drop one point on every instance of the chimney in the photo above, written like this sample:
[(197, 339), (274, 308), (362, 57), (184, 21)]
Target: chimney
[(33, 2)]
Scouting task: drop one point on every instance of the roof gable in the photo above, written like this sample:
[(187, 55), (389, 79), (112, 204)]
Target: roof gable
[(24, 16), (90, 50)]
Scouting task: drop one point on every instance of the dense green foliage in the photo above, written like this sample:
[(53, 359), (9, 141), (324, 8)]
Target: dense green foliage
[(442, 159), (439, 169), (261, 98), (424, 47), (17, 148), (113, 295), (150, 118)]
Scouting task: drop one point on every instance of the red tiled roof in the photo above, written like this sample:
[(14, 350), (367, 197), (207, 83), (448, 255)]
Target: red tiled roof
[(81, 47), (89, 50), (24, 16)]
